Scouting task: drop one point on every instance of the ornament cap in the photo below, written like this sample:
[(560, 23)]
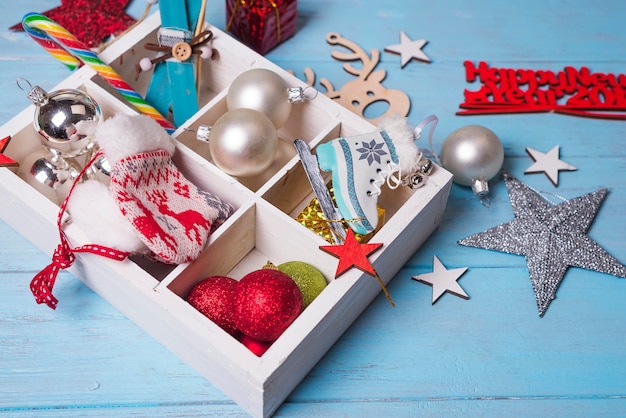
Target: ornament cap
[(299, 95), (203, 133), (37, 95), (480, 187)]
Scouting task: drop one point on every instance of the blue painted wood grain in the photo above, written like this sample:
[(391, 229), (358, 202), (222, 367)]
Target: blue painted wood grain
[(488, 356)]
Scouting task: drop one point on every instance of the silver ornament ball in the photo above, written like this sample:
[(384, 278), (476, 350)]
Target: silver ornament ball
[(243, 142), (49, 174), (54, 171), (262, 90), (56, 116), (472, 153)]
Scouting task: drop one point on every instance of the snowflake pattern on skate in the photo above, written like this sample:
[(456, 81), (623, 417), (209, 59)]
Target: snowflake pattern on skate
[(372, 151)]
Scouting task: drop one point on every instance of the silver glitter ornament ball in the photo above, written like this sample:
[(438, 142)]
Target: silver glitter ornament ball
[(262, 90), (243, 142), (56, 116), (474, 155)]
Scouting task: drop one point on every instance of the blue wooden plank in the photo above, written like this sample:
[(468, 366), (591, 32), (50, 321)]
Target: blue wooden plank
[(488, 356), (173, 82)]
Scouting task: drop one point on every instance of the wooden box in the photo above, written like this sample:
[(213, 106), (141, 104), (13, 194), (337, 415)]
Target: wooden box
[(262, 228)]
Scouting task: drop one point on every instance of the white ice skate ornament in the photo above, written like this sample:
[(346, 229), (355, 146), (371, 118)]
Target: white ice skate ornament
[(362, 164)]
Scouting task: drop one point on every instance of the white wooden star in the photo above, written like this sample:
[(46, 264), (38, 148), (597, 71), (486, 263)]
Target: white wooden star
[(548, 163), (408, 49), (443, 280)]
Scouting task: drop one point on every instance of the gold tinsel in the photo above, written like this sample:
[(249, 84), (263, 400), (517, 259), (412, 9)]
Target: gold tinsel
[(313, 219)]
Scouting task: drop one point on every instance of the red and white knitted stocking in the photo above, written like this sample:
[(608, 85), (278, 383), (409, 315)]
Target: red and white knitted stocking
[(172, 216)]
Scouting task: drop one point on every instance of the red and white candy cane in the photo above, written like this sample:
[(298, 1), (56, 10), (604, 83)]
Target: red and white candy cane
[(65, 47)]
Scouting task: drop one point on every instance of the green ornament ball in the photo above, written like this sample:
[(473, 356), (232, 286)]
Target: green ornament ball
[(309, 279)]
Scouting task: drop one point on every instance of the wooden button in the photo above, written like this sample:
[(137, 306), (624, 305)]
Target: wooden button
[(181, 51)]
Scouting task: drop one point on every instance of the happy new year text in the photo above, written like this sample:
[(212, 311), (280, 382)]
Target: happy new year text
[(571, 91)]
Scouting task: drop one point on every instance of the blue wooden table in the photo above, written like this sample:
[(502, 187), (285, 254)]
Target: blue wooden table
[(491, 355)]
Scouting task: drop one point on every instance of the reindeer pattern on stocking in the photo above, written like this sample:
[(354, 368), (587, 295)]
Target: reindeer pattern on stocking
[(144, 221), (172, 216), (191, 220)]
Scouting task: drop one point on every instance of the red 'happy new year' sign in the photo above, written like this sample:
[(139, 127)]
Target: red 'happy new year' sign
[(570, 91)]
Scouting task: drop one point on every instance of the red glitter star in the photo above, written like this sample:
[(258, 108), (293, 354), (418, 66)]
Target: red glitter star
[(4, 160), (352, 254), (91, 21)]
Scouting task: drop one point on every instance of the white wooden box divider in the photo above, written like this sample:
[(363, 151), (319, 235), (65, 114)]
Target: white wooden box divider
[(262, 228)]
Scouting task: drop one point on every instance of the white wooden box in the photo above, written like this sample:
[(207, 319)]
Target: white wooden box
[(262, 228)]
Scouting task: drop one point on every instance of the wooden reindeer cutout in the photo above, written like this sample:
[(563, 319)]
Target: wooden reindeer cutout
[(367, 89)]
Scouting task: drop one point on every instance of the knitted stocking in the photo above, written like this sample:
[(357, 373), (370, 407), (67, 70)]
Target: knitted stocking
[(172, 216)]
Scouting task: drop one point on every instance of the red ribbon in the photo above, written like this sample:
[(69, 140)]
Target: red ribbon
[(64, 256)]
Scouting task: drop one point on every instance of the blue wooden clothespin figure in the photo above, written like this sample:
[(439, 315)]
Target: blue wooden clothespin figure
[(173, 85)]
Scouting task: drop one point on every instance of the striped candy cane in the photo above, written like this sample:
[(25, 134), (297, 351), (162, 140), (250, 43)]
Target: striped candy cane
[(65, 47)]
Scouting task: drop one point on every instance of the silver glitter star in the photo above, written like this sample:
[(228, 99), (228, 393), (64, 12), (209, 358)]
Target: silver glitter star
[(548, 163), (552, 237), (408, 49), (443, 280)]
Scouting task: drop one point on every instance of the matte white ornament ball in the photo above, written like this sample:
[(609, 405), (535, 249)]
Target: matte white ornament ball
[(474, 155), (243, 142), (262, 90)]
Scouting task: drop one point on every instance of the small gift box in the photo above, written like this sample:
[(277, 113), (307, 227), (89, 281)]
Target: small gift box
[(261, 24)]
